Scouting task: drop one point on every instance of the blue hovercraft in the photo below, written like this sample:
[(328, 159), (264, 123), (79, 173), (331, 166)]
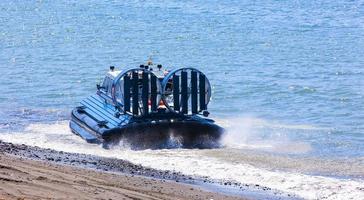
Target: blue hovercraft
[(149, 107)]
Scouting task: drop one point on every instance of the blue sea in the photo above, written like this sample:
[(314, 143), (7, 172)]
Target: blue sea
[(287, 77)]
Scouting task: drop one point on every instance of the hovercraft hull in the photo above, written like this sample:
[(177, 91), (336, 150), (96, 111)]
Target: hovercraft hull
[(146, 108), (95, 123)]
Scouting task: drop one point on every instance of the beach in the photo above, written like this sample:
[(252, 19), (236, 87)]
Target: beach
[(245, 173), (25, 178)]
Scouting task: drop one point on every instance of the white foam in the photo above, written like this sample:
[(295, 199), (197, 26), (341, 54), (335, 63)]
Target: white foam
[(248, 121), (246, 133), (193, 162)]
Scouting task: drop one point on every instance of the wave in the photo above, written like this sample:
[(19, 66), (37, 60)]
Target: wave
[(256, 133), (229, 164)]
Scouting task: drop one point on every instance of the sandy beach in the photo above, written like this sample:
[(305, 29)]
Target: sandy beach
[(22, 178)]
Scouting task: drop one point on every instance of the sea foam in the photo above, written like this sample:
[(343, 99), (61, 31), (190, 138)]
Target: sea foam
[(194, 162)]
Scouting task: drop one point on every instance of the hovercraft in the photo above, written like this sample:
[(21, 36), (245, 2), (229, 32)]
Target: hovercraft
[(149, 107)]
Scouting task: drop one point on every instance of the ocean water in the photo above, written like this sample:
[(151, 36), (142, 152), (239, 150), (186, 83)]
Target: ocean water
[(287, 76)]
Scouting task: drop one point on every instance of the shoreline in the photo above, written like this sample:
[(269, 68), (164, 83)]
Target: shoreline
[(14, 156), (120, 167), (23, 178)]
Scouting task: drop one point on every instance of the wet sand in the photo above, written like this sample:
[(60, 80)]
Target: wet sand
[(25, 178), (22, 178)]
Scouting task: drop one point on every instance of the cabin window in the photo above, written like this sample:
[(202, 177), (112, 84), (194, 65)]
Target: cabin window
[(107, 85), (119, 93)]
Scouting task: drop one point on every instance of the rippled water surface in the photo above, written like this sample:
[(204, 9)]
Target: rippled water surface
[(281, 62)]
